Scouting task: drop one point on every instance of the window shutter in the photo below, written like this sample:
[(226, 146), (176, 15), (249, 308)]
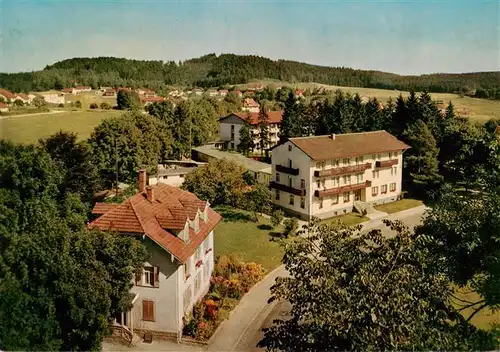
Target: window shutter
[(148, 311), (157, 276)]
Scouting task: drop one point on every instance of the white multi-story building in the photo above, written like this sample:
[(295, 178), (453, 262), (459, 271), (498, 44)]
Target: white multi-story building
[(324, 176), (230, 126)]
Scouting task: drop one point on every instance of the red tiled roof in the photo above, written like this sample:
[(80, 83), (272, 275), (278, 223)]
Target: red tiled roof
[(249, 102), (68, 90), (152, 99), (348, 145), (169, 211), (103, 208), (3, 105), (274, 116), (6, 93)]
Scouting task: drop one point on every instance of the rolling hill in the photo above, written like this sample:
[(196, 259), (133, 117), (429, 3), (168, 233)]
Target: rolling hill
[(212, 71)]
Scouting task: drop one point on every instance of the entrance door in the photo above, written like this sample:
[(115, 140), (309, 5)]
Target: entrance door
[(357, 195)]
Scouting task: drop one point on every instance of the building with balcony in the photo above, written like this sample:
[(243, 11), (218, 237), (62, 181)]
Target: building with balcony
[(325, 176), (230, 126)]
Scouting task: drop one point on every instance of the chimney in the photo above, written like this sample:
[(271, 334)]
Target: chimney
[(142, 180), (150, 193), (332, 136)]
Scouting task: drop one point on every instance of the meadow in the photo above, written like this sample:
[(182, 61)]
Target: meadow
[(28, 129), (477, 109)]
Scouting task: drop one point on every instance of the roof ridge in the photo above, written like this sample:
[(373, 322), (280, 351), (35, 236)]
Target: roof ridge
[(337, 134), (136, 214)]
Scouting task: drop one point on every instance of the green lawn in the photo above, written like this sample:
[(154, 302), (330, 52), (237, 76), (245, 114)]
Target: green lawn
[(253, 241), (347, 219), (399, 205), (485, 318), (28, 129)]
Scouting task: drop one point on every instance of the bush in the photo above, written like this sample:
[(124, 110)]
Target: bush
[(291, 226), (18, 102), (232, 279), (277, 217), (78, 104), (105, 106), (93, 106), (60, 105)]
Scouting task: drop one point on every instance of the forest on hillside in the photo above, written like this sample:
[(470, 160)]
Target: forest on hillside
[(213, 71)]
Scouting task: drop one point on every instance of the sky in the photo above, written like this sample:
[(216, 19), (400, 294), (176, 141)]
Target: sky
[(405, 37)]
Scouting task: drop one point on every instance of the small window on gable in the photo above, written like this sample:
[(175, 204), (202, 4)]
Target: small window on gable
[(289, 147)]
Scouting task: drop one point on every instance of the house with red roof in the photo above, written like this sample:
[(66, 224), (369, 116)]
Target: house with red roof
[(230, 126), (6, 95), (80, 89), (250, 105), (22, 97), (176, 227), (150, 100), (69, 91)]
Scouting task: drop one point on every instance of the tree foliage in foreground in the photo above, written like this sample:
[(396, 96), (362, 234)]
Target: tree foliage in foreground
[(466, 228), (362, 291), (59, 282), (219, 182), (134, 141), (75, 158)]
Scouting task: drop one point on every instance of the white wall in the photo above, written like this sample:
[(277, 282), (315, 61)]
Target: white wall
[(168, 313), (307, 166), (280, 156), (225, 130), (171, 180)]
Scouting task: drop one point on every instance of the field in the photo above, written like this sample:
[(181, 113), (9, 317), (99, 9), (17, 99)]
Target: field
[(28, 129), (478, 109), (88, 98), (348, 219)]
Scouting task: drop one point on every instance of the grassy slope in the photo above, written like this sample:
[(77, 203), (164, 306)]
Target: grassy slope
[(477, 109), (28, 129), (237, 233)]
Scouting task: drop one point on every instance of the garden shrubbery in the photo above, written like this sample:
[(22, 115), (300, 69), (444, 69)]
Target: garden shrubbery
[(231, 279)]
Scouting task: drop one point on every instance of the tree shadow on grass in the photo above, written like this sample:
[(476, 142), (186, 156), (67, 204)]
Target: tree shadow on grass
[(275, 236), (264, 227), (234, 215)]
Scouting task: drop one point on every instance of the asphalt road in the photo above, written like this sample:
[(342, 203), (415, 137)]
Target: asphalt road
[(254, 334)]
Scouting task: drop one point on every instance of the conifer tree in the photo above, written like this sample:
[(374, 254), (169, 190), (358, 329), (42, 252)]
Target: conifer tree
[(246, 144), (291, 124), (421, 166), (263, 119)]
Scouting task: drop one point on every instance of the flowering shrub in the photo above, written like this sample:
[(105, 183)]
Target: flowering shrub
[(232, 279)]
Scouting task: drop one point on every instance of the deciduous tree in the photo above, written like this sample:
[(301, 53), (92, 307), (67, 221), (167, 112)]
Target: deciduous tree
[(362, 291), (219, 182)]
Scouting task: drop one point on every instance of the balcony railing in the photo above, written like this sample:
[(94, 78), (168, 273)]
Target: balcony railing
[(340, 190), (287, 170), (343, 170), (285, 188), (386, 163)]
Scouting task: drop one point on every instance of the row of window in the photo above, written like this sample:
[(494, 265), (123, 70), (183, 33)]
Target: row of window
[(383, 189), (376, 173), (348, 161)]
